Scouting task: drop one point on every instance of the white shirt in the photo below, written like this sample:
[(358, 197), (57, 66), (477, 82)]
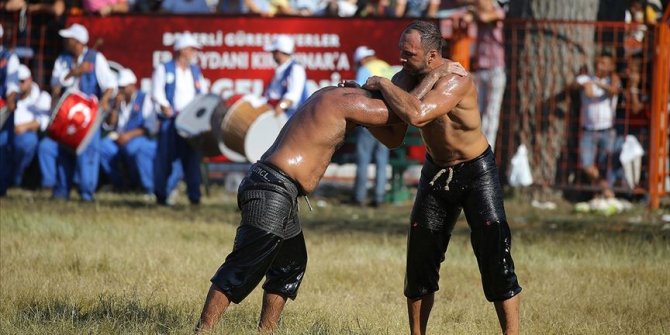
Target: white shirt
[(597, 112), (35, 106), (105, 76), (184, 87), (295, 81), (12, 78), (148, 113)]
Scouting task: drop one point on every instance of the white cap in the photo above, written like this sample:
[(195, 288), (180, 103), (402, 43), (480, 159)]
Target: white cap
[(24, 72), (186, 41), (126, 77), (76, 31), (362, 52), (282, 43)]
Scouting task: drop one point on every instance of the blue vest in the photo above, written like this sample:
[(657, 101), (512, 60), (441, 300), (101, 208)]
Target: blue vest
[(136, 117), (303, 97), (4, 60), (171, 87), (88, 82)]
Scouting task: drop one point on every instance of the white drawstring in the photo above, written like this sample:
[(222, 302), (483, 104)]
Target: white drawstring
[(440, 173)]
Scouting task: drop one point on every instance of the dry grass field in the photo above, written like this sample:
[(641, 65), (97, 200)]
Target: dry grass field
[(121, 266)]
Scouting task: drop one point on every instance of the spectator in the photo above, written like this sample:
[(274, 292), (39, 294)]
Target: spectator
[(106, 7), (489, 65), (9, 87), (367, 146), (599, 95), (131, 122), (288, 88), (88, 71), (268, 8), (185, 7), (31, 115), (417, 8), (174, 85)]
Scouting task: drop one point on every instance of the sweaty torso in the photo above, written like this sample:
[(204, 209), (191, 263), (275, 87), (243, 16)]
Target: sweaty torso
[(456, 136), (307, 142)]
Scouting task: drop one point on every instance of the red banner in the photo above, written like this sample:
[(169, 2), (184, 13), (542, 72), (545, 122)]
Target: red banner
[(232, 57)]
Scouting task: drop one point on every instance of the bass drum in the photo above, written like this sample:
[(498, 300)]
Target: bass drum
[(250, 126)]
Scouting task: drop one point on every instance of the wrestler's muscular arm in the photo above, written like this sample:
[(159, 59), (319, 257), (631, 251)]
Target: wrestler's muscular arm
[(446, 94), (393, 135)]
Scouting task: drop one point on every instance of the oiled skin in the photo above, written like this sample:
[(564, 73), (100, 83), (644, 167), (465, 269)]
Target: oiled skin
[(306, 144)]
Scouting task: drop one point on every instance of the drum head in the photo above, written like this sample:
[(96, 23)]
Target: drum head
[(75, 120), (262, 133), (195, 118)]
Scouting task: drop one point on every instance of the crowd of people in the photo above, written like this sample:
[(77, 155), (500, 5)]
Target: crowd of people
[(142, 151), (266, 8), (137, 145)]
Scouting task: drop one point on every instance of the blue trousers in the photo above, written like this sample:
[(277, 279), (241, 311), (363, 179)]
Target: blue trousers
[(366, 147), (25, 146), (6, 155), (138, 155), (173, 156), (47, 153), (86, 165)]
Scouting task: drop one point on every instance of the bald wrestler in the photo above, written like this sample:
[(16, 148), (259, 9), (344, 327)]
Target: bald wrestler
[(269, 241), (459, 174)]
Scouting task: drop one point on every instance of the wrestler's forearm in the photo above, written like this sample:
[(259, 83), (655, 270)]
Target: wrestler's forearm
[(406, 106)]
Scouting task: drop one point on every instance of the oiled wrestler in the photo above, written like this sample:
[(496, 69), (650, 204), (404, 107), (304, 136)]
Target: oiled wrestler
[(269, 241)]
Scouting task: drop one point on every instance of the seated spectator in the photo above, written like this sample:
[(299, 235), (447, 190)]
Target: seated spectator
[(30, 117), (599, 93), (185, 7), (131, 122), (106, 7)]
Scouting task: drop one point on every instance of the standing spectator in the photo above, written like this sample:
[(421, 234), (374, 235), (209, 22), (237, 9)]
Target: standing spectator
[(9, 87), (489, 65), (174, 85), (88, 71), (31, 116), (599, 95), (367, 146), (132, 120), (288, 88)]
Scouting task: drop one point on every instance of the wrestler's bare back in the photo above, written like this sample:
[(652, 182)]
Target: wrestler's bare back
[(308, 141)]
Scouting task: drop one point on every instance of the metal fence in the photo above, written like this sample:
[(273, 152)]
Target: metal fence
[(541, 108)]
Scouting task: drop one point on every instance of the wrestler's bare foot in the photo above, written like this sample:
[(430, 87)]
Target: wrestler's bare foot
[(273, 305), (215, 304), (508, 315)]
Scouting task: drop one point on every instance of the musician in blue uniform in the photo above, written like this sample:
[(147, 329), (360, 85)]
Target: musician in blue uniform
[(131, 123), (288, 88), (174, 85), (30, 118), (88, 71), (9, 86)]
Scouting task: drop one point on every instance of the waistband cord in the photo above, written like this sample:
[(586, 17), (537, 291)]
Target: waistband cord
[(440, 173), (308, 204)]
